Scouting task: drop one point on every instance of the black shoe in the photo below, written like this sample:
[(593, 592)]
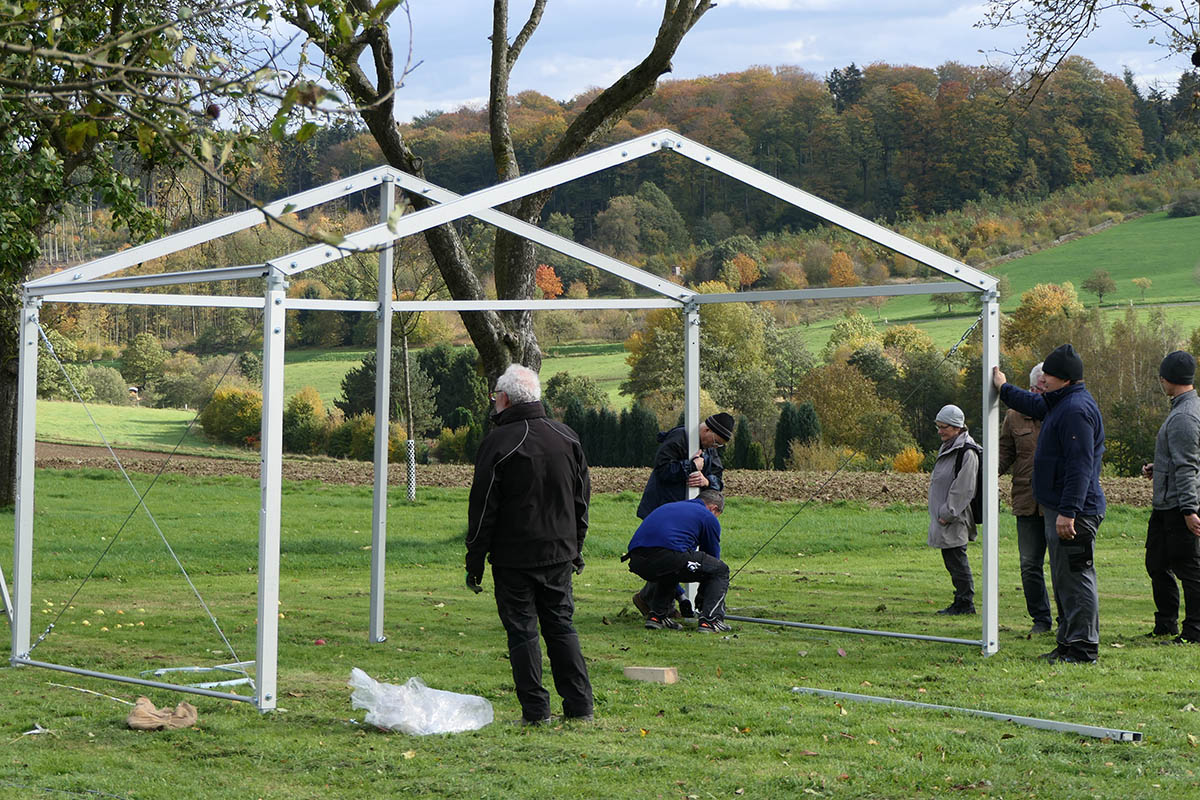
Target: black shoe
[(1039, 627), (1160, 632), (579, 717), (1182, 640), (525, 722), (640, 604), (955, 610), (1070, 659), (656, 623), (1053, 655), (713, 626), (685, 608)]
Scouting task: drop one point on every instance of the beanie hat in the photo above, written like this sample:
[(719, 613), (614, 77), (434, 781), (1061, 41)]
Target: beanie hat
[(1179, 368), (1064, 363), (721, 424), (951, 415)]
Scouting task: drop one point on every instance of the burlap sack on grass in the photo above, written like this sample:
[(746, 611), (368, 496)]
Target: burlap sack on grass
[(146, 717)]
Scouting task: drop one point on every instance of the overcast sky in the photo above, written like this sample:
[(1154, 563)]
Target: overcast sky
[(586, 43)]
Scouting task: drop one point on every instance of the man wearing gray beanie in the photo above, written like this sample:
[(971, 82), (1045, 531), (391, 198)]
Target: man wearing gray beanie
[(1066, 483), (1171, 535)]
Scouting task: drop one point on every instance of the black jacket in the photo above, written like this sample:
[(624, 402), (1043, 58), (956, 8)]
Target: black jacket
[(529, 497), (672, 465)]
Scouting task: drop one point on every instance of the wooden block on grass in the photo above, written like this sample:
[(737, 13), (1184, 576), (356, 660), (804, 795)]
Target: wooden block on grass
[(652, 674)]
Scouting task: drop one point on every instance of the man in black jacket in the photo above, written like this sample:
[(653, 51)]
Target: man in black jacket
[(529, 513), (675, 472)]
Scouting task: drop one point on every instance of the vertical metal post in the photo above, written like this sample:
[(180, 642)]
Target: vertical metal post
[(383, 410), (691, 395), (270, 484), (991, 494), (23, 523), (691, 379)]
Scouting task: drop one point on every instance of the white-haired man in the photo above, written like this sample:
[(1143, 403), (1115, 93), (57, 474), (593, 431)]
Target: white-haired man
[(1017, 444), (528, 515)]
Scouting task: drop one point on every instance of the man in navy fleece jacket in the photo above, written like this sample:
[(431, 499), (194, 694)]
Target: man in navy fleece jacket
[(1066, 483)]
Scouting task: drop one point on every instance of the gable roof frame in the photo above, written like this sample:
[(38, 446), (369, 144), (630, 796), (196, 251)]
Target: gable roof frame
[(90, 283)]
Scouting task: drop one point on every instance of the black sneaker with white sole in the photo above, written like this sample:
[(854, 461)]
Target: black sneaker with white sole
[(656, 623), (713, 626)]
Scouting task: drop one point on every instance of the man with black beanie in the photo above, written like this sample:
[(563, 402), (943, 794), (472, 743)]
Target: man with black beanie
[(1171, 536), (675, 471), (1066, 483)]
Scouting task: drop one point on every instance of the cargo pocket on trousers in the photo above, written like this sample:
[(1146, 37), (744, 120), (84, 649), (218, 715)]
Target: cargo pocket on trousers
[(1079, 556)]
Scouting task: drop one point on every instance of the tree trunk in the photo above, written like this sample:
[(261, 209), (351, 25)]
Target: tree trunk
[(500, 338), (9, 350)]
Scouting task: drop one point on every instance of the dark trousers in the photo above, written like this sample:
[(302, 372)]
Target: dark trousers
[(662, 569), (1172, 551), (955, 559), (525, 598), (1031, 545), (1073, 573)]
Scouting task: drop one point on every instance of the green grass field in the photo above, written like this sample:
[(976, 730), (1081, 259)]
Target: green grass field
[(731, 727), (157, 429)]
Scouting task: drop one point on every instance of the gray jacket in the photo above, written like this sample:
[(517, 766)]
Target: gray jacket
[(950, 495), (1177, 456)]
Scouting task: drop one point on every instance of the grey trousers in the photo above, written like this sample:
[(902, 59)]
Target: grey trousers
[(955, 559), (1031, 545), (1073, 573)]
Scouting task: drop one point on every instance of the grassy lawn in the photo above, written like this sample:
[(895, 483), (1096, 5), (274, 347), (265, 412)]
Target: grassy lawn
[(603, 362), (321, 369), (126, 426), (730, 728)]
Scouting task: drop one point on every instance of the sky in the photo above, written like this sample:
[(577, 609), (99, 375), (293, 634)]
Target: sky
[(585, 43)]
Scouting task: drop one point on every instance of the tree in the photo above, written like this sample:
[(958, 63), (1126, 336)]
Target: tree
[(1041, 307), (358, 394), (1099, 283), (1142, 284), (455, 373), (563, 387), (548, 282), (841, 271), (1054, 27), (797, 423), (142, 361), (949, 300), (350, 35), (88, 91), (852, 331)]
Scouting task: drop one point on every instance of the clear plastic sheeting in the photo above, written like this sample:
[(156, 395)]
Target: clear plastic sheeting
[(416, 709)]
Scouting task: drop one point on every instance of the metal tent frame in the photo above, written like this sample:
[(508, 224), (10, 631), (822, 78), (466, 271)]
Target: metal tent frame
[(92, 283)]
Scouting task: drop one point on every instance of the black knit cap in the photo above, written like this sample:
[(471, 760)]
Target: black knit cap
[(1179, 368), (721, 424), (1064, 363)]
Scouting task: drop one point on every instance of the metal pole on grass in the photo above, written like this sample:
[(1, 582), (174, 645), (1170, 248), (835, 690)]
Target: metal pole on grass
[(19, 619), (989, 438), (383, 411), (271, 492)]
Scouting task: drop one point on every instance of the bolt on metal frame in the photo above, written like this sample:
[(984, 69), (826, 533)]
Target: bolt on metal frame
[(89, 283)]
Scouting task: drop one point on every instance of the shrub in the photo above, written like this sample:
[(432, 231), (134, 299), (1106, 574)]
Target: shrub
[(305, 423), (812, 457), (233, 416), (910, 459), (107, 385), (1186, 205), (453, 444)]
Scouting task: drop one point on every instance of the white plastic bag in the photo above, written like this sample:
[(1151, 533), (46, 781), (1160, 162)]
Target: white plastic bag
[(415, 708)]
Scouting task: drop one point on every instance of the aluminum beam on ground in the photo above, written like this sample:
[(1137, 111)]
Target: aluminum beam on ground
[(471, 204), (828, 211), (1099, 732), (146, 281), (155, 299), (172, 687), (545, 238), (214, 230), (888, 290), (838, 629)]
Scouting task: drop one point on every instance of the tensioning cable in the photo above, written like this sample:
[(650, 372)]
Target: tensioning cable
[(812, 496), (141, 496)]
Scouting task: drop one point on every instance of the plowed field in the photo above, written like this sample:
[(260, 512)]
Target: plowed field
[(873, 488)]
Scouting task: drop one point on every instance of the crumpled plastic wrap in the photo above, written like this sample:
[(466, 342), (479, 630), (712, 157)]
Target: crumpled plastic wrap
[(416, 709)]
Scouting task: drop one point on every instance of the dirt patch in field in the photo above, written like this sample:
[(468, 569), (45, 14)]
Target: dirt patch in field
[(873, 488)]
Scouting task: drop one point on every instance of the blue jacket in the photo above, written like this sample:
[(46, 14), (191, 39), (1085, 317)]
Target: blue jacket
[(672, 465), (683, 526), (1066, 464)]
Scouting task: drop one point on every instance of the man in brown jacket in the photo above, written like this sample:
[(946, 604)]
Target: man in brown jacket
[(1018, 441)]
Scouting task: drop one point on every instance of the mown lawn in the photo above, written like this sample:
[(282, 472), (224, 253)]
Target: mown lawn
[(730, 728)]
